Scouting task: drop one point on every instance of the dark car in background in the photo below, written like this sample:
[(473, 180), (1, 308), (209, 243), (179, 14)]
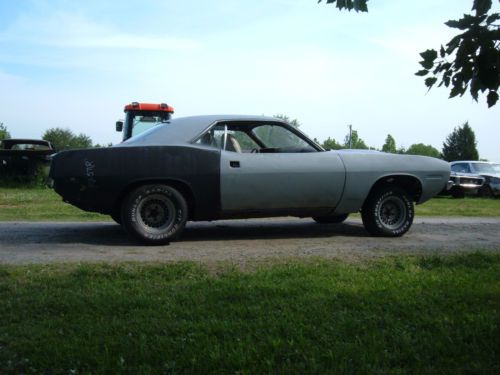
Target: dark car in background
[(491, 175), (22, 159)]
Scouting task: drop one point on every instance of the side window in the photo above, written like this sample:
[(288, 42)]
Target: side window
[(282, 139), (214, 137), (239, 141), (236, 139)]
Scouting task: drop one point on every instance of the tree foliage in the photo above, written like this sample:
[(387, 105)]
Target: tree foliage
[(469, 61), (357, 5), (4, 133), (461, 145), (389, 145), (295, 123), (65, 139), (331, 144), (421, 149), (355, 141)]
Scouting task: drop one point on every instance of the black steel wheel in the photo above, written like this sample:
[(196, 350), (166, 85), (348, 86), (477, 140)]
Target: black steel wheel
[(331, 219), (154, 214), (388, 212)]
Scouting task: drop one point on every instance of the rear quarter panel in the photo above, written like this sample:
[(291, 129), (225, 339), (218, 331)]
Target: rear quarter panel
[(364, 169), (96, 179)]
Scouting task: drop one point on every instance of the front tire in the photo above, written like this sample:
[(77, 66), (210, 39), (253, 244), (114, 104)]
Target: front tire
[(485, 192), (154, 214), (331, 219), (388, 212)]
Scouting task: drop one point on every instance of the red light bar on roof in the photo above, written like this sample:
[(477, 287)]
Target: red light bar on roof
[(148, 107)]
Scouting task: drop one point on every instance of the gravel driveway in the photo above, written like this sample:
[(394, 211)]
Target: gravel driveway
[(238, 241)]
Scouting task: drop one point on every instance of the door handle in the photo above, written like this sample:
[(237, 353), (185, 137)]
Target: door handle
[(234, 164)]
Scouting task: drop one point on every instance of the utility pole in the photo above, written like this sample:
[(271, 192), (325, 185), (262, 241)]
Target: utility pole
[(350, 136)]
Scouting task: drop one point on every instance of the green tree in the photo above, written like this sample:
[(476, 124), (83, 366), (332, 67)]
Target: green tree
[(4, 133), (295, 123), (331, 144), (65, 139), (389, 145), (356, 142), (469, 61), (421, 149), (460, 145)]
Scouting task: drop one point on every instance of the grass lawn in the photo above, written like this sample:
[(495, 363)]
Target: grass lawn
[(39, 204), (399, 315), (44, 204)]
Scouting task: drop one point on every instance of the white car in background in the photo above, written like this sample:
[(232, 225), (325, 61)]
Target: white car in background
[(490, 172)]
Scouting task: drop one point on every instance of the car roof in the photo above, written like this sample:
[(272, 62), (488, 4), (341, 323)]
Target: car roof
[(183, 130)]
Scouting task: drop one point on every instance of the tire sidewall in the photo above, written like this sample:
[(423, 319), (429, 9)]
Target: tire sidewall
[(133, 225), (380, 199)]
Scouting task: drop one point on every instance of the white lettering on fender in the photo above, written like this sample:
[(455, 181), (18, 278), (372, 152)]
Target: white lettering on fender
[(90, 172)]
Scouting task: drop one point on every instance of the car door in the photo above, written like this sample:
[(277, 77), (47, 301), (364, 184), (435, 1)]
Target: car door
[(280, 180)]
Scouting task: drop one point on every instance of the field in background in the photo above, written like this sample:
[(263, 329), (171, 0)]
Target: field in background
[(399, 315), (40, 204)]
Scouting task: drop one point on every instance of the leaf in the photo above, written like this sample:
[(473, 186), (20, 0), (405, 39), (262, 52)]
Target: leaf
[(454, 92), (492, 98), (453, 44), (422, 73), (429, 55), (426, 64), (429, 82), (442, 52), (481, 6), (360, 5), (463, 23), (493, 18)]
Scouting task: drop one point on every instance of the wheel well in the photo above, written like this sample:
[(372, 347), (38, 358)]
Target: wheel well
[(180, 186), (410, 184)]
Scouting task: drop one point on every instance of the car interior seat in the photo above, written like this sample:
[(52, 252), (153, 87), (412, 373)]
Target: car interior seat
[(232, 144)]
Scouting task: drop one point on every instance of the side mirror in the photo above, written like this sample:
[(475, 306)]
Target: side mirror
[(119, 126)]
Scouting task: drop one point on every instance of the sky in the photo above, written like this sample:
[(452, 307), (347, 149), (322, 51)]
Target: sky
[(75, 64)]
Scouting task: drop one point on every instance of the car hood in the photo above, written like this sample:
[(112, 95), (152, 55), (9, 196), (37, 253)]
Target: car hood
[(494, 175)]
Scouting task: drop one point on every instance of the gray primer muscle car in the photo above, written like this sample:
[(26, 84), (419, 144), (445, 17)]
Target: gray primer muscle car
[(220, 167)]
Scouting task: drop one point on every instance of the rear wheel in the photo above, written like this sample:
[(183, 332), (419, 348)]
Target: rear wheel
[(331, 219), (388, 212), (154, 214)]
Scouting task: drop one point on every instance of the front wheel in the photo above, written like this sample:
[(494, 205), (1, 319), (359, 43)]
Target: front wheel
[(388, 212), (331, 219), (154, 214), (485, 192)]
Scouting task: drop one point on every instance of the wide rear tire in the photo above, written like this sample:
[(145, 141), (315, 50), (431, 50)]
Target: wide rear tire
[(154, 214), (388, 212)]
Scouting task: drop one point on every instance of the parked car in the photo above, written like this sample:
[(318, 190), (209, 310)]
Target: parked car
[(464, 183), (491, 186), (221, 167), (21, 158)]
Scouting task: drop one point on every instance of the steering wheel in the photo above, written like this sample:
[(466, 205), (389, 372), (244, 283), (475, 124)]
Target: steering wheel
[(255, 150)]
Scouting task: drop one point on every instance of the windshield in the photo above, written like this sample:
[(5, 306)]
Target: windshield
[(496, 167), (138, 122), (483, 168)]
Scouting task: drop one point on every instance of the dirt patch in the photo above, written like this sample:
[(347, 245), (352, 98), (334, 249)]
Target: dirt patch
[(241, 241)]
